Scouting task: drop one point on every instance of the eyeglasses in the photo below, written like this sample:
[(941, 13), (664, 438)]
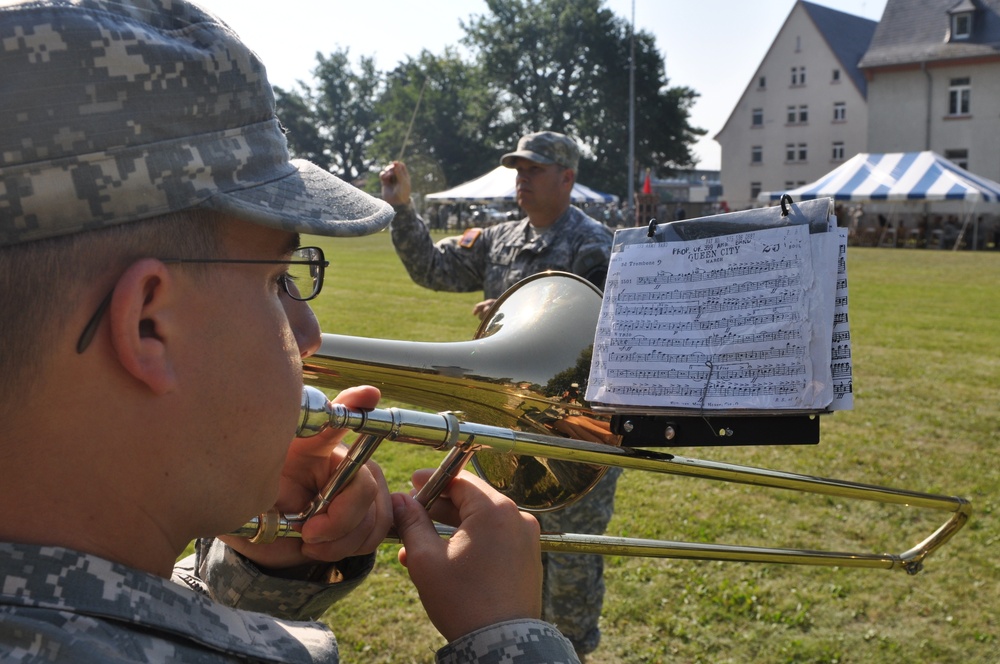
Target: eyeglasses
[(302, 281)]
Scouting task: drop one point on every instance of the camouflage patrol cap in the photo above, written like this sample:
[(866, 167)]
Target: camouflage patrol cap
[(545, 147), (113, 111)]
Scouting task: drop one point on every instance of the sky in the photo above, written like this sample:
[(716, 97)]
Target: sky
[(711, 46)]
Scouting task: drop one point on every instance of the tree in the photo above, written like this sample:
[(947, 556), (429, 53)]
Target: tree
[(333, 126), (563, 65)]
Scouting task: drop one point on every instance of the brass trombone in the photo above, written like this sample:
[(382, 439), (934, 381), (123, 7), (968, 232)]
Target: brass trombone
[(518, 386)]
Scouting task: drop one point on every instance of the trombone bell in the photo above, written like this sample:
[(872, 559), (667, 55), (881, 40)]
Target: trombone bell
[(525, 369)]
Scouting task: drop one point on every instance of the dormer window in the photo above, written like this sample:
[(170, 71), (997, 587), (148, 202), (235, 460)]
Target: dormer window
[(960, 17), (961, 26)]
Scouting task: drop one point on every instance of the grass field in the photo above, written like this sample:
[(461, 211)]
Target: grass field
[(926, 344)]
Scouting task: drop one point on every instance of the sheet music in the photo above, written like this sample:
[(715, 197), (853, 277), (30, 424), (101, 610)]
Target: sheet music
[(725, 323), (842, 364)]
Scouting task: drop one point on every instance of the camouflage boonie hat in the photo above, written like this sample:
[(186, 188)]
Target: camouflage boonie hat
[(545, 147), (113, 111)]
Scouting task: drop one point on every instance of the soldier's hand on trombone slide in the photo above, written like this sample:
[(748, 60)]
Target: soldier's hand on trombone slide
[(489, 571)]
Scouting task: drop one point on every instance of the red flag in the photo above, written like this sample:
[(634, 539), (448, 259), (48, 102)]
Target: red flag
[(647, 186)]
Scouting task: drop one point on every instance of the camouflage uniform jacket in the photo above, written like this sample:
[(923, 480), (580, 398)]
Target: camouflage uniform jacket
[(59, 605), (497, 257)]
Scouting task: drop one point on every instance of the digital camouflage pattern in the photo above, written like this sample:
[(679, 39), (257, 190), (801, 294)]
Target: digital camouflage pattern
[(116, 111), (59, 605), (573, 592), (502, 255), (545, 147), (515, 642)]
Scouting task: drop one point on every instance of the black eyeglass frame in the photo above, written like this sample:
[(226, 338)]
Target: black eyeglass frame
[(319, 263)]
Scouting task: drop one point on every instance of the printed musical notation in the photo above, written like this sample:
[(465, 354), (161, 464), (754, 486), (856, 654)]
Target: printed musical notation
[(708, 371), (720, 391), (843, 373), (733, 322), (755, 355)]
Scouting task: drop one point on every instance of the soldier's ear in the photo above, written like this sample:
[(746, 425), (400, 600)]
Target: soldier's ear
[(141, 318), (568, 176)]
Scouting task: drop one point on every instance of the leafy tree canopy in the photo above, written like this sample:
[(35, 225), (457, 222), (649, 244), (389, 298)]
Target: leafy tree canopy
[(531, 65), (564, 65), (334, 124)]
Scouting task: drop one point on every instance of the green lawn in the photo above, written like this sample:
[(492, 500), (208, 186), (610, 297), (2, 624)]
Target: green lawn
[(926, 341)]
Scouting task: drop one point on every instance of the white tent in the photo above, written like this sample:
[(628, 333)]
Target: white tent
[(895, 176), (498, 186), (898, 177)]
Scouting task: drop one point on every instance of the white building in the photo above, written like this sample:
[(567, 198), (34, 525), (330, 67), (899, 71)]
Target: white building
[(804, 112), (933, 72)]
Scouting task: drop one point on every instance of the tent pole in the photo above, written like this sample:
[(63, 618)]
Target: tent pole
[(965, 224)]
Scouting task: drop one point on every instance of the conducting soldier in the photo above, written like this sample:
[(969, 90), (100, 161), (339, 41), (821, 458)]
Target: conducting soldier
[(555, 235)]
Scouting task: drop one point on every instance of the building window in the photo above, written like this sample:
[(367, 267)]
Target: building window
[(762, 82), (839, 111), (789, 185), (756, 154), (757, 116), (754, 190), (959, 93), (961, 25), (795, 152), (958, 157), (798, 75), (797, 114), (836, 76), (838, 151)]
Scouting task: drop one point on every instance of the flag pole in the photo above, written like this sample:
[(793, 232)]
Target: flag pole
[(631, 120)]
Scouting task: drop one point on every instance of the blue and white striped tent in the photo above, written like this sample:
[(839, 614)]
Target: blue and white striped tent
[(498, 186), (895, 176)]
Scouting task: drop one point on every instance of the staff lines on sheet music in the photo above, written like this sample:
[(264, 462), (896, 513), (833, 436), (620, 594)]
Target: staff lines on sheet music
[(841, 369), (702, 374), (782, 388), (841, 352), (784, 298), (712, 341), (703, 325), (788, 351), (778, 283), (731, 272)]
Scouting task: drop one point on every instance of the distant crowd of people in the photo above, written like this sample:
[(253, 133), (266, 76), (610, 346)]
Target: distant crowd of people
[(917, 230)]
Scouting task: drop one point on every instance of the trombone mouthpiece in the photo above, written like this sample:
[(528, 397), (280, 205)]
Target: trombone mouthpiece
[(314, 413)]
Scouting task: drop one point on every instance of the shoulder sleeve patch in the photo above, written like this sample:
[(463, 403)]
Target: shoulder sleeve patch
[(469, 237)]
